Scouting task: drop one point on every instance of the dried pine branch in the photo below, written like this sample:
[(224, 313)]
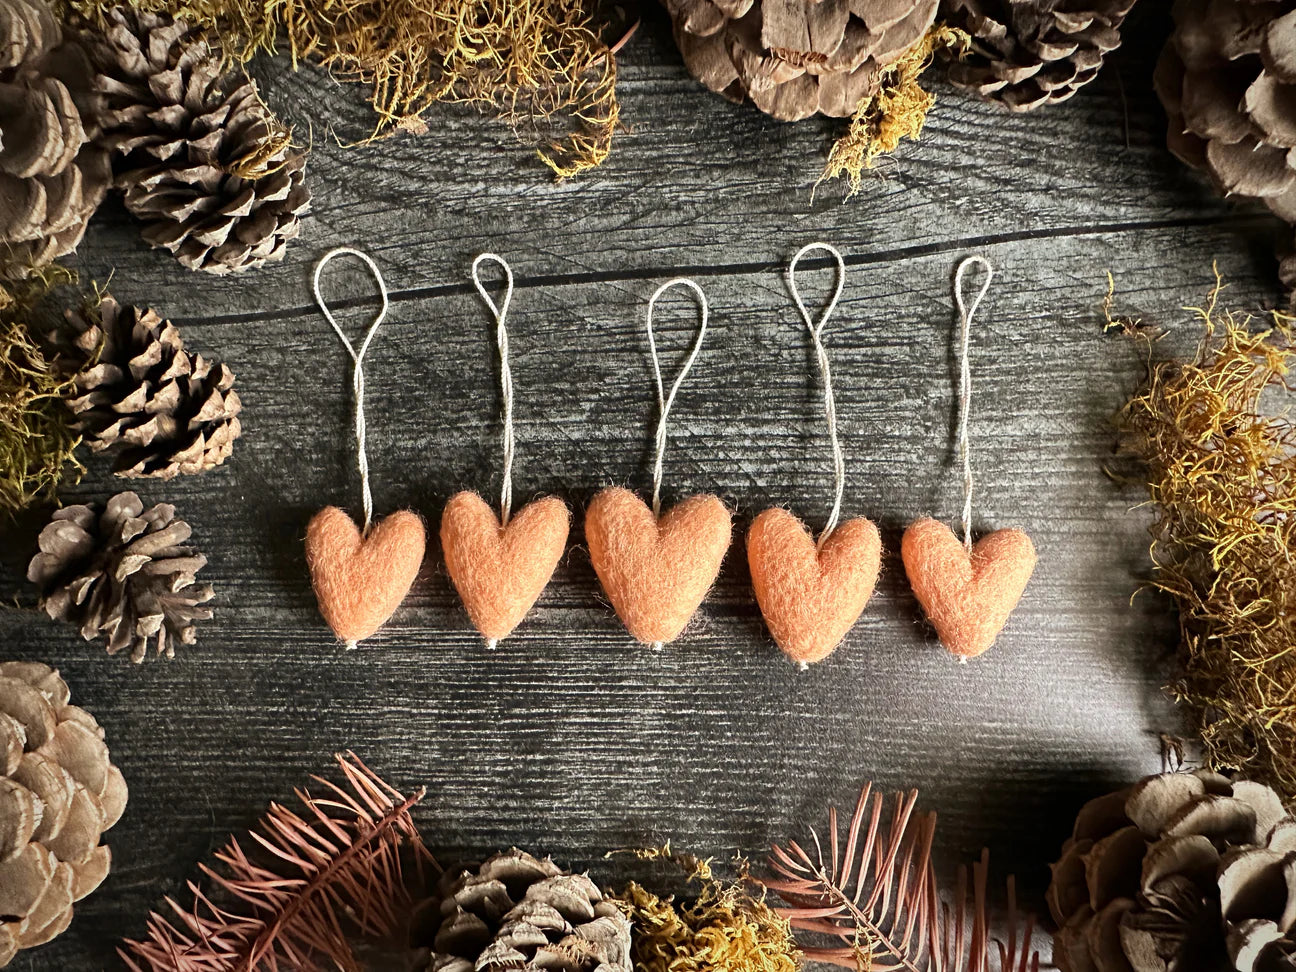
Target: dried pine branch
[(322, 880), (876, 903)]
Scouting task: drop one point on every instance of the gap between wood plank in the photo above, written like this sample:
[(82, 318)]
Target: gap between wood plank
[(757, 266)]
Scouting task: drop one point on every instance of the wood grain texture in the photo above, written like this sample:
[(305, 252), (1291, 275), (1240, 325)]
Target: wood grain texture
[(568, 738)]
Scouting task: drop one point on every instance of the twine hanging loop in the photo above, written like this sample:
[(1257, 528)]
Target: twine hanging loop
[(821, 353), (664, 400), (357, 358)]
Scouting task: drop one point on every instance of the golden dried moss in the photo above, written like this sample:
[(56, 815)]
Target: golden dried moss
[(543, 66), (723, 929), (1220, 457), (37, 443), (897, 111)]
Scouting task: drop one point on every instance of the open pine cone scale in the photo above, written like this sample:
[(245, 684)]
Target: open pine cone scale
[(1181, 871), (519, 912), (125, 575), (169, 411), (1227, 79), (797, 58), (53, 174), (1030, 53), (58, 793), (199, 158)]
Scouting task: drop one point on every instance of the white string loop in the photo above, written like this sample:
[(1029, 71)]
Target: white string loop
[(664, 401), (506, 374), (966, 314), (816, 336), (357, 381)]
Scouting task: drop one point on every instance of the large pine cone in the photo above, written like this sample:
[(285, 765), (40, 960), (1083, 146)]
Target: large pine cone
[(52, 176), (123, 575), (58, 794), (201, 160), (1028, 53), (517, 912), (797, 58), (1227, 79), (1181, 871), (170, 411)]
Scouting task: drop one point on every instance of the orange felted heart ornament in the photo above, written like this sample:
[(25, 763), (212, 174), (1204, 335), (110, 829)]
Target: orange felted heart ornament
[(499, 571), (360, 581), (811, 595), (967, 598), (360, 578), (656, 571)]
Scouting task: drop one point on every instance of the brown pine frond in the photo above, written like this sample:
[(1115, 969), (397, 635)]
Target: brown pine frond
[(321, 880), (874, 904)]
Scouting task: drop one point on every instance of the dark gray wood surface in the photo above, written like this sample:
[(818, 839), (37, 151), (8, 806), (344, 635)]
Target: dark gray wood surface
[(569, 738)]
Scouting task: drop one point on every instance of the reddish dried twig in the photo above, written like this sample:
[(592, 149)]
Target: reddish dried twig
[(878, 895), (327, 878)]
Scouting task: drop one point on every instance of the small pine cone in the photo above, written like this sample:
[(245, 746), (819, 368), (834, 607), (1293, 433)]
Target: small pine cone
[(1029, 53), (1180, 871), (170, 411), (797, 58), (517, 912), (52, 175), (201, 160), (58, 794), (123, 575)]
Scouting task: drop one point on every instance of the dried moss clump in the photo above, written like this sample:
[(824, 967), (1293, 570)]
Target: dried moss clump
[(897, 111), (723, 929), (1221, 468), (37, 443), (541, 65)]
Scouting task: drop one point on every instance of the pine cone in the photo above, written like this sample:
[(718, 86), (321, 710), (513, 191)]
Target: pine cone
[(796, 58), (201, 160), (1180, 871), (1225, 78), (1028, 53), (516, 912), (172, 411), (58, 794), (52, 177), (123, 575)]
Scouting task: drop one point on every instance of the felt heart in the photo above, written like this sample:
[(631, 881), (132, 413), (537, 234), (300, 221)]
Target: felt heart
[(811, 597), (967, 598), (499, 571), (656, 571), (360, 581)]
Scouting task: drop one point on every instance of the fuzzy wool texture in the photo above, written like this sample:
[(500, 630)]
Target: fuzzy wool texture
[(500, 571), (656, 571), (360, 581), (967, 599), (811, 596)]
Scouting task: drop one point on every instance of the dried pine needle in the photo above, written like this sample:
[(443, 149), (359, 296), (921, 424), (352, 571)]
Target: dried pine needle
[(897, 110), (37, 444), (540, 65), (723, 929), (1221, 469)]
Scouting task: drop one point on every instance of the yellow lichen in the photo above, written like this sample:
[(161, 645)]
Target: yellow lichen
[(896, 110), (37, 443), (1220, 459), (541, 65), (723, 929)]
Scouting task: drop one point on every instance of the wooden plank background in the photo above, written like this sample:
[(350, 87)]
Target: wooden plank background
[(568, 738)]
